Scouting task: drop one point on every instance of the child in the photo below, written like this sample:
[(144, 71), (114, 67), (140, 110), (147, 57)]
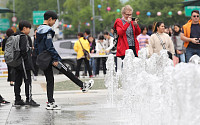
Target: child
[(24, 27), (143, 37), (44, 37)]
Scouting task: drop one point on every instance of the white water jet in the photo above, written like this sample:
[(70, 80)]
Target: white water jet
[(154, 92)]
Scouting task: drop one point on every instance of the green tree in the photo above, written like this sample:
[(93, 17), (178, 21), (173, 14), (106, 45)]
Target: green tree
[(80, 11), (154, 6)]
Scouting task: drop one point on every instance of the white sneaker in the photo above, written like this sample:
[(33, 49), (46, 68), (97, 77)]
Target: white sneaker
[(53, 106), (87, 85), (34, 78)]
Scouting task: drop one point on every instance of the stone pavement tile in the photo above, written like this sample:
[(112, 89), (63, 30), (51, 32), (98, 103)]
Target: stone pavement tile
[(4, 113), (77, 109)]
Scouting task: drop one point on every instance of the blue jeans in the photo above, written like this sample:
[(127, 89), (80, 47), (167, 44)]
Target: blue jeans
[(190, 52), (93, 65), (181, 57)]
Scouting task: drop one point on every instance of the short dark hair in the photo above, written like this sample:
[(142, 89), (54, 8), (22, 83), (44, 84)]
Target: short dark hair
[(101, 37), (143, 27), (24, 23), (9, 32), (50, 14), (106, 33), (87, 31), (194, 11), (80, 34)]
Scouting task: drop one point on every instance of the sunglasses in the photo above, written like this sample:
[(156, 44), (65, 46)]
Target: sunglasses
[(196, 16)]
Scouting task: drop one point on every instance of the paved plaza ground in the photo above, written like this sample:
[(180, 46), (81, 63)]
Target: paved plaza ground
[(77, 108)]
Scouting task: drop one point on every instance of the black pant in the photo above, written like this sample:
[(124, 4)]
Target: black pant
[(35, 72), (50, 79), (134, 51), (19, 76), (1, 98), (79, 61), (103, 63), (11, 74)]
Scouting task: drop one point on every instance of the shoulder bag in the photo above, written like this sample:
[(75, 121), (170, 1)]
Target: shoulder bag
[(43, 60), (86, 53), (168, 52)]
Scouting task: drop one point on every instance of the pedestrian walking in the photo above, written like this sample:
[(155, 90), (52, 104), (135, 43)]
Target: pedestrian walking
[(191, 35), (44, 42)]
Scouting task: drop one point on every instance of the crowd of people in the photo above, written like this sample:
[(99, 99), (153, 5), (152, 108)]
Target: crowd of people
[(181, 42)]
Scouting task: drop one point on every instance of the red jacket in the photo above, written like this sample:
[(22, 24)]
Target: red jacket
[(122, 44)]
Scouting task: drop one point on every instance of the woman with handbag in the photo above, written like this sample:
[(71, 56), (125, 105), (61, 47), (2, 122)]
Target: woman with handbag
[(82, 47), (160, 40)]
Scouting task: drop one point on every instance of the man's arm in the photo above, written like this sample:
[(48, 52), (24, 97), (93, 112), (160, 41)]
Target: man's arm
[(186, 39)]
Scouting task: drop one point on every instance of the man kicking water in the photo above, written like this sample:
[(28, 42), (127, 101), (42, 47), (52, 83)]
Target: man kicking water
[(44, 37)]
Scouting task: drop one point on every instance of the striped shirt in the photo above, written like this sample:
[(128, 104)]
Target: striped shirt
[(129, 34), (142, 40)]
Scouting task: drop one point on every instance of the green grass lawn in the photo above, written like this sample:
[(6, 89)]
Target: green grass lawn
[(69, 85)]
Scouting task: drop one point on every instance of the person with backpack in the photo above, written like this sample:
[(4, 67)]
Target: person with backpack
[(128, 30), (44, 43), (11, 70), (23, 70)]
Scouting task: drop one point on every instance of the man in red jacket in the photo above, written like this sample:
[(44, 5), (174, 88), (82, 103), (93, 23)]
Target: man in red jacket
[(128, 30)]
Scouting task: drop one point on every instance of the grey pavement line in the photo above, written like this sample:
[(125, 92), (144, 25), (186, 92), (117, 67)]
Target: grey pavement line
[(8, 114)]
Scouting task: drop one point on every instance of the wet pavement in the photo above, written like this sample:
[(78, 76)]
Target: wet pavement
[(77, 108)]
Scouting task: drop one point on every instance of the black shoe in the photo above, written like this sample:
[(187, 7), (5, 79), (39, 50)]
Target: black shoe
[(2, 101), (32, 103), (19, 102), (11, 84), (5, 102)]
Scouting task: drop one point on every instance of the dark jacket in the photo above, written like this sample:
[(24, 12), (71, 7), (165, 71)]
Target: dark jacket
[(93, 46), (44, 41), (25, 52), (4, 43)]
